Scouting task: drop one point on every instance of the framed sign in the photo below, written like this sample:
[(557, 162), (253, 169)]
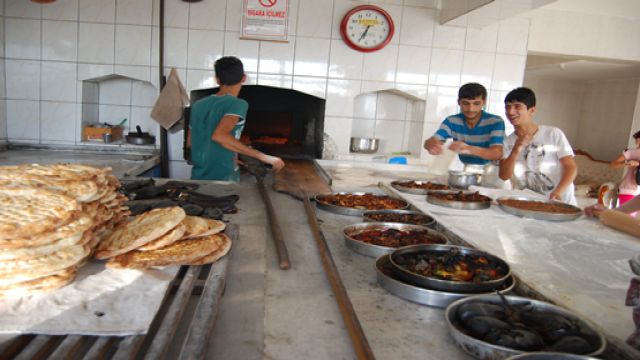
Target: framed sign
[(265, 19)]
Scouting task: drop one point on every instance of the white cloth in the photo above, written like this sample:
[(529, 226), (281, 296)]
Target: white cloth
[(538, 167), (99, 301)]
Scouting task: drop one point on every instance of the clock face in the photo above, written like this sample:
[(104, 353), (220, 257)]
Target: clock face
[(367, 28)]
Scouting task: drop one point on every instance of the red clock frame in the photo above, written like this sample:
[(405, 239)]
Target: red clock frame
[(345, 21)]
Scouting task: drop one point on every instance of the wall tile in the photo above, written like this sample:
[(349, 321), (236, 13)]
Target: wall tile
[(113, 114), (419, 91), (294, 7), (3, 120), (233, 16), (205, 47), (200, 79), (143, 94), (363, 128), (442, 101), (58, 122), (21, 9), (176, 14), (311, 85), (339, 129), (364, 105), (283, 81), (340, 9), (115, 92), (3, 82), (431, 4), (417, 27), (508, 71), (245, 50), (413, 64), (206, 15), (134, 12), (495, 105), (103, 11), (179, 170), (513, 36), (23, 120), (373, 86), (96, 43), (23, 79), (61, 10), (315, 15), (482, 39), (276, 58), (2, 36), (340, 97), (142, 73), (175, 143), (390, 134), (381, 65), (59, 40), (92, 71), (413, 137), (449, 37), (22, 38), (390, 106), (311, 57), (344, 62), (446, 66), (133, 45), (477, 67), (58, 81)]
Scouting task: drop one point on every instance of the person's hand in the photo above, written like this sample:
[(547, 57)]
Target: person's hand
[(594, 210), (459, 147), (523, 137), (276, 163), (434, 146), (555, 196), (632, 163)]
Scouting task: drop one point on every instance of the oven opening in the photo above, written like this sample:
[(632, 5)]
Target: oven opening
[(268, 128)]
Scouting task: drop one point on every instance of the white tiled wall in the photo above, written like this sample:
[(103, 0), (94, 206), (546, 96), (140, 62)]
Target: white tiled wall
[(99, 37)]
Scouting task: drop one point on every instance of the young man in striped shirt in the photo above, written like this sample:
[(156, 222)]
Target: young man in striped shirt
[(477, 135)]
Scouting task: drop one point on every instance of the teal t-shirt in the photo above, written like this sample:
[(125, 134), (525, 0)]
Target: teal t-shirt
[(210, 160)]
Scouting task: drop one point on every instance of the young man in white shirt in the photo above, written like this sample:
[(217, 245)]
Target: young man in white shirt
[(538, 157)]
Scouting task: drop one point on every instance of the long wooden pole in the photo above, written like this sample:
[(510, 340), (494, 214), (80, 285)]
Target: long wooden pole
[(276, 231), (358, 338)]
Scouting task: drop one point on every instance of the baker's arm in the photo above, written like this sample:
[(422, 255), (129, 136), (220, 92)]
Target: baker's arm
[(494, 152), (569, 172), (508, 164)]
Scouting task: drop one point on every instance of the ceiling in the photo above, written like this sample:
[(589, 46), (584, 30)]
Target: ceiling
[(579, 69)]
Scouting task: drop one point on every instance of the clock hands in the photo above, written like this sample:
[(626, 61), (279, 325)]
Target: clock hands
[(364, 33)]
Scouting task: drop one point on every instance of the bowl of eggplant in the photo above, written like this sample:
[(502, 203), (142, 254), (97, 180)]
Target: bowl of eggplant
[(498, 326), (450, 268)]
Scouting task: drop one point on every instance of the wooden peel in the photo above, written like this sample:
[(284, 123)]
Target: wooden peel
[(621, 221), (358, 338)]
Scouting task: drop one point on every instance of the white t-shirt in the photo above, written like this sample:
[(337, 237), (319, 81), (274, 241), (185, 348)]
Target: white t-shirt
[(538, 166)]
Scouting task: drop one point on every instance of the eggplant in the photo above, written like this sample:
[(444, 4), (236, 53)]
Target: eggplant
[(573, 345), (479, 326), (470, 310)]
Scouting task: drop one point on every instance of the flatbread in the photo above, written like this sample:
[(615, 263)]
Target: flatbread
[(46, 249), (14, 271), (169, 238), (74, 228), (215, 255), (202, 227), (82, 191), (26, 211), (179, 252), (39, 285), (143, 229)]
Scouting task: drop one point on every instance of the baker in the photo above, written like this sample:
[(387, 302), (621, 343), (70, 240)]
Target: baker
[(216, 124)]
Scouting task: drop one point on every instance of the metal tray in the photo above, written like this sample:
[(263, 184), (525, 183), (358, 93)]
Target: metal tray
[(462, 205), (484, 350), (447, 285), (550, 356), (397, 184), (539, 215), (342, 210), (377, 250), (430, 223), (419, 294)]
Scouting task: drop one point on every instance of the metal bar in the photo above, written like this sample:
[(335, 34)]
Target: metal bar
[(10, 348), (99, 348), (358, 338), (196, 341), (69, 347), (276, 231), (164, 146), (128, 348), (38, 347), (167, 329)]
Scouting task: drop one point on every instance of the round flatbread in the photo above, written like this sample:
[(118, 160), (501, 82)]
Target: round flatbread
[(215, 255), (46, 249), (26, 211), (14, 271), (74, 228), (202, 227), (169, 238), (179, 252), (39, 285), (143, 229)]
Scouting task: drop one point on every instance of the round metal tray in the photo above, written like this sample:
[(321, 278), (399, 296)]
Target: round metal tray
[(447, 285), (462, 205), (484, 350), (342, 210), (377, 250), (539, 215), (419, 294), (430, 223), (397, 184), (550, 356)]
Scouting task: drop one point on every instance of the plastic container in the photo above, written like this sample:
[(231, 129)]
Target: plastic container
[(398, 160)]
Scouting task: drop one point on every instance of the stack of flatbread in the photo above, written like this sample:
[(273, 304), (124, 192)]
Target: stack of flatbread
[(164, 236), (49, 218)]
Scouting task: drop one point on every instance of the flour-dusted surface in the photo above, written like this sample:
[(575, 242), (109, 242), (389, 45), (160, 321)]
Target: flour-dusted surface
[(99, 301)]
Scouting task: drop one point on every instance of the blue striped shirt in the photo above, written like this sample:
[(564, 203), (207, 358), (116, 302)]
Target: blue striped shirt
[(487, 132)]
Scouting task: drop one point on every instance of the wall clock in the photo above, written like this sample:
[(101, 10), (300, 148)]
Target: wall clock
[(367, 28)]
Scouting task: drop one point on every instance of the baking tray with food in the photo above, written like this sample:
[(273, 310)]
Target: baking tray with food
[(539, 209), (389, 281), (418, 187), (496, 327), (379, 238), (356, 203), (399, 216), (463, 200), (450, 268)]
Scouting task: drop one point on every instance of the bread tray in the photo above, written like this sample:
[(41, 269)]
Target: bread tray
[(377, 250), (419, 294), (397, 184), (342, 210), (429, 221), (461, 205), (539, 215)]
